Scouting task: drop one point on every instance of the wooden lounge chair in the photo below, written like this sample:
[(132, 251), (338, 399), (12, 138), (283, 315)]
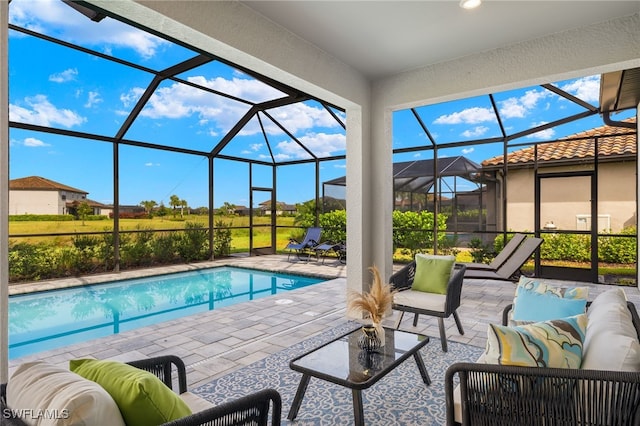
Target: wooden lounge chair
[(501, 257), (304, 247), (510, 270)]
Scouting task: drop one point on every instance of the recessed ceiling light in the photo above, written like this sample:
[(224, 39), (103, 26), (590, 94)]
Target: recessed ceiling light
[(470, 4)]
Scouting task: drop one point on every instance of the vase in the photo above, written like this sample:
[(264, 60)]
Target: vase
[(369, 339)]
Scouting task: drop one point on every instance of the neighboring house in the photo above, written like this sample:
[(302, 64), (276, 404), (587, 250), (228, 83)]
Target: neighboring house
[(281, 208), (564, 170), (38, 195)]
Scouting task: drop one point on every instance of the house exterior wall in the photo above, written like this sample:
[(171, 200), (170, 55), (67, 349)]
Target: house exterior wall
[(35, 202), (565, 201), (42, 202)]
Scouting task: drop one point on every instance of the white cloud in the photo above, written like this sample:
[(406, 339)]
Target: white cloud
[(34, 143), (178, 101), (321, 144), (54, 18), (586, 88), (466, 151), (151, 164), (41, 112), (475, 132), (470, 116), (519, 107), (417, 155), (64, 76), (92, 99), (546, 134)]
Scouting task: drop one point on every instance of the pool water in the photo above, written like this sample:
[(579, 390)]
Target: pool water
[(52, 319)]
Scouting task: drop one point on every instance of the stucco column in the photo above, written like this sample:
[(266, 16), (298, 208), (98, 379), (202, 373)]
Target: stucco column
[(381, 187), (4, 193), (363, 202)]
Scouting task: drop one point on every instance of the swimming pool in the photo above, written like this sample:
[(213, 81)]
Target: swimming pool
[(52, 319)]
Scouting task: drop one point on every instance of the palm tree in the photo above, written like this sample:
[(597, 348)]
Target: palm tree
[(174, 201), (183, 205), (148, 206)]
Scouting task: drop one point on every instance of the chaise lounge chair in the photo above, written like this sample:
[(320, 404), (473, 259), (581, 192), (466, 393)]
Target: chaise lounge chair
[(510, 270), (311, 239), (339, 250), (501, 257)]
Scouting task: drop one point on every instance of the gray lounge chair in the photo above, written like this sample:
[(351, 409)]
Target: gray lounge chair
[(501, 257), (311, 239), (510, 270)]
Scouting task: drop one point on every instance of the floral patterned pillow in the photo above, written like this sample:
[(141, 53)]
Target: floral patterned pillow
[(555, 343)]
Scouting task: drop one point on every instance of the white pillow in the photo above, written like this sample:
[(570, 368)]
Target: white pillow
[(611, 341), (54, 396)]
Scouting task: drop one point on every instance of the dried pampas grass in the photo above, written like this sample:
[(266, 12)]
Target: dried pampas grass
[(375, 303)]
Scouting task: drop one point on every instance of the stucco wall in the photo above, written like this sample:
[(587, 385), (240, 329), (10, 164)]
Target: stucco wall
[(35, 202), (564, 199)]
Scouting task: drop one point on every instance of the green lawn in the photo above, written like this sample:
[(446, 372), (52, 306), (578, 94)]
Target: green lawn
[(240, 235)]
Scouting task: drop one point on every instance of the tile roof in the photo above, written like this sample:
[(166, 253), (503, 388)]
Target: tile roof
[(90, 203), (613, 146), (31, 183)]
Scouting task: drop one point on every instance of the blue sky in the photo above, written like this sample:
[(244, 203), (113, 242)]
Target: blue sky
[(58, 87)]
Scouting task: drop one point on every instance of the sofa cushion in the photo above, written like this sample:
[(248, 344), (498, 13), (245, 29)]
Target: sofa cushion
[(142, 398), (541, 287), (433, 273), (52, 395), (534, 306), (194, 402), (611, 340), (556, 343)]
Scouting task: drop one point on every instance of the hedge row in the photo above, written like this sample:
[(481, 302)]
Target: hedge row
[(577, 248), (91, 254)]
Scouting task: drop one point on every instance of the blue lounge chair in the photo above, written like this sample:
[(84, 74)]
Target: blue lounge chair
[(311, 239)]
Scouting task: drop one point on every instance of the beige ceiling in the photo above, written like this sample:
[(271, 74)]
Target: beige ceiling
[(380, 38)]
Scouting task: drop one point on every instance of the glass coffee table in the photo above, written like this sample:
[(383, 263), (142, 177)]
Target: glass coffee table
[(342, 362)]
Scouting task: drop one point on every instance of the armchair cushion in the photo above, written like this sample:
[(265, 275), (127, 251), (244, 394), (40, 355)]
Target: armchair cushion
[(432, 273), (419, 299), (66, 398), (554, 344), (141, 396)]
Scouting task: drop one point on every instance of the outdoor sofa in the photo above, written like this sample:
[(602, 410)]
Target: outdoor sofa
[(96, 392), (604, 390)]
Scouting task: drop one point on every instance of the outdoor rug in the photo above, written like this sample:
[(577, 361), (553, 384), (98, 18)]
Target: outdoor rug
[(400, 398)]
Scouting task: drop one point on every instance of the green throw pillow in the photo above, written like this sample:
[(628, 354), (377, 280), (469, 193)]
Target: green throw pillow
[(141, 397), (433, 273)]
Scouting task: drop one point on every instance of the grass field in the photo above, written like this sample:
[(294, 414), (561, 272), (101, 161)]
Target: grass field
[(240, 235)]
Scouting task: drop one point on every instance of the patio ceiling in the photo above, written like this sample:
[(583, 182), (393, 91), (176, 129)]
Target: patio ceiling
[(384, 38)]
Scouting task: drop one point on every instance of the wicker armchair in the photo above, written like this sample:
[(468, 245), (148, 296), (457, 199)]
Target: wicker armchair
[(441, 306), (252, 409), (511, 395)]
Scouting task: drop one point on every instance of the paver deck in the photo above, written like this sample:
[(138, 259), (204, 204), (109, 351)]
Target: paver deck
[(218, 342)]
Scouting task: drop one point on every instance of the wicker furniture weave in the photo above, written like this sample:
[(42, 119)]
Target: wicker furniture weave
[(402, 281), (511, 395), (252, 409)]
